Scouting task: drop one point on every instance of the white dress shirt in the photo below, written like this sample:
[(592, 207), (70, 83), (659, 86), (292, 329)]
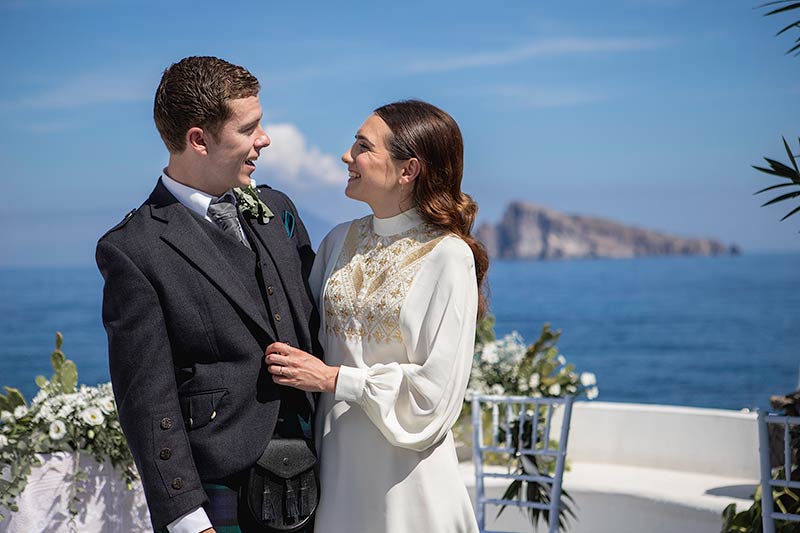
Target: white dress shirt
[(196, 200)]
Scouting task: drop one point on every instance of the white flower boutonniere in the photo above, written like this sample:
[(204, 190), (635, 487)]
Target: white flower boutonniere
[(251, 205)]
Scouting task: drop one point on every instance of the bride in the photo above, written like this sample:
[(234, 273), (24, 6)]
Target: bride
[(399, 292)]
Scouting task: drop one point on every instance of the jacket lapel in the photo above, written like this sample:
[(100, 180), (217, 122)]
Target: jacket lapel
[(185, 235)]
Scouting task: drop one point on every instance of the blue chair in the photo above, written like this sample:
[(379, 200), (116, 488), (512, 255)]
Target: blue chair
[(520, 414), (791, 428)]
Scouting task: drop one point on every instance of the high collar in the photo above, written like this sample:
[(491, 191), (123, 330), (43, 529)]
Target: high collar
[(396, 224)]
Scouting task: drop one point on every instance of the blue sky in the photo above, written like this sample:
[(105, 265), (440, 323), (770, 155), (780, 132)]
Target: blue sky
[(649, 112)]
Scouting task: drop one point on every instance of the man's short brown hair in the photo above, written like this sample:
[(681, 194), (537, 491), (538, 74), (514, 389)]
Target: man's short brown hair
[(195, 92)]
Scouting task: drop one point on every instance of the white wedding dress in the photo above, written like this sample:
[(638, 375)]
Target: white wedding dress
[(398, 301)]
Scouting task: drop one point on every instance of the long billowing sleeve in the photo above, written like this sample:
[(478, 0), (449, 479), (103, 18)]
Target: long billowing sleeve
[(415, 404)]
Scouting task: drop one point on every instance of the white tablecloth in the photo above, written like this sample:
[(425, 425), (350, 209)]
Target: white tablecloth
[(107, 505)]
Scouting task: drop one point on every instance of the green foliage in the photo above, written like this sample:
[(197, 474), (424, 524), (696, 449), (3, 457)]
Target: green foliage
[(11, 400), (531, 464), (788, 172), (507, 366), (484, 332), (749, 521), (785, 7), (65, 379), (539, 493), (61, 418)]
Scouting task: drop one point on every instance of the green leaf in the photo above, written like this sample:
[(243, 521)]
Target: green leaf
[(783, 9), (772, 172), (69, 376), (57, 359), (783, 169), (795, 24), (791, 156), (59, 340), (792, 212), (781, 198), (775, 187), (41, 381), (14, 398)]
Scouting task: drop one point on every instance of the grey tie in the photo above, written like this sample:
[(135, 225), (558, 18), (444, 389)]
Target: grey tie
[(223, 213)]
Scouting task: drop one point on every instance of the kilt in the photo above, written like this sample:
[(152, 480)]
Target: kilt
[(222, 508), (224, 512)]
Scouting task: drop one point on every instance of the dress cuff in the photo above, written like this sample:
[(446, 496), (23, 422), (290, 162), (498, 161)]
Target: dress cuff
[(350, 383), (192, 522)]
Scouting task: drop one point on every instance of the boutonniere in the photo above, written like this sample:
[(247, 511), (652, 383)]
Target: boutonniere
[(250, 203)]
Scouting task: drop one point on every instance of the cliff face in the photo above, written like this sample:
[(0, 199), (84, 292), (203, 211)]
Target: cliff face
[(528, 231)]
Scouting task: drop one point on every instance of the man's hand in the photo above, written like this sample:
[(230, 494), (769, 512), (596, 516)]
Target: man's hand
[(295, 368), (209, 530)]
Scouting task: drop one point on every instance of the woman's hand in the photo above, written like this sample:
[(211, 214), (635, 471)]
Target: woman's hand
[(296, 368)]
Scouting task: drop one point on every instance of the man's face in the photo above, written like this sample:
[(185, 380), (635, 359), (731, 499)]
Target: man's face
[(232, 151)]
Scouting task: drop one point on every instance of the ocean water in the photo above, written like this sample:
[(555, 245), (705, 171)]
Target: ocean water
[(708, 332)]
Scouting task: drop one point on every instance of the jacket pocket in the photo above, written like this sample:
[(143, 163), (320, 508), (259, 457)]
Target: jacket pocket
[(200, 409)]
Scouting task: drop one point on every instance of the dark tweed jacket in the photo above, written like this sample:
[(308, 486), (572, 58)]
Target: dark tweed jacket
[(186, 341)]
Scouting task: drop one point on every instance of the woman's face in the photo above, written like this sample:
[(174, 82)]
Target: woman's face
[(375, 177)]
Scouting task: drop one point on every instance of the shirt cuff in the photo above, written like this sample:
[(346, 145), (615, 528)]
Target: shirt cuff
[(192, 522), (350, 383)]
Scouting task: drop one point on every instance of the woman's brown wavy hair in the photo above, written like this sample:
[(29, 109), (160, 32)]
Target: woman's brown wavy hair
[(425, 132)]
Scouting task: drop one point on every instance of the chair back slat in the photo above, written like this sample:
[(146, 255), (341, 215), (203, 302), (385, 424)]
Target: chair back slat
[(546, 438), (519, 410), (790, 427), (535, 428)]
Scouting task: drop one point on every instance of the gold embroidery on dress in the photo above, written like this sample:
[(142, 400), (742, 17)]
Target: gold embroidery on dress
[(371, 278)]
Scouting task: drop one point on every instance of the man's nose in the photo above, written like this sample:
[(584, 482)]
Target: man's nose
[(263, 140)]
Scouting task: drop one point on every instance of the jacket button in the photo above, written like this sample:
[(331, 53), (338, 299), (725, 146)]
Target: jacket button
[(277, 317), (165, 454), (270, 290), (177, 483), (286, 460), (166, 423)]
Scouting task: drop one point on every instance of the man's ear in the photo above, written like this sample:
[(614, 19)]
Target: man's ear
[(196, 140), (411, 169)]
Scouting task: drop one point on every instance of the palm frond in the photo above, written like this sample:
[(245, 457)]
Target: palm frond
[(781, 198), (783, 170), (790, 7), (792, 212), (789, 172), (774, 187)]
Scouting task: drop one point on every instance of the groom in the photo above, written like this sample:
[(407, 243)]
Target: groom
[(198, 281)]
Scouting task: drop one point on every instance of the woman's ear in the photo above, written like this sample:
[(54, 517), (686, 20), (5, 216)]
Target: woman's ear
[(196, 140), (411, 169)]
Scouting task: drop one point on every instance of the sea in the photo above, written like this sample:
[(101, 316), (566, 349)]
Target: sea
[(718, 332)]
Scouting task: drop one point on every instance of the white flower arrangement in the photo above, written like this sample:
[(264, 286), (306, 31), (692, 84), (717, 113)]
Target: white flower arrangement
[(61, 417), (507, 366)]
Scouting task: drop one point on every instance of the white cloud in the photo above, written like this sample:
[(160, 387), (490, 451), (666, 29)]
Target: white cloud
[(290, 159), (544, 48)]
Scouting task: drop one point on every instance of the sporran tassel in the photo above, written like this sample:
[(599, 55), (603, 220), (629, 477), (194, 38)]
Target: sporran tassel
[(292, 507), (267, 509), (305, 503)]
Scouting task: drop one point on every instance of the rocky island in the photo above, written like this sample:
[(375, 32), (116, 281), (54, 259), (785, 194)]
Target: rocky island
[(529, 231)]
